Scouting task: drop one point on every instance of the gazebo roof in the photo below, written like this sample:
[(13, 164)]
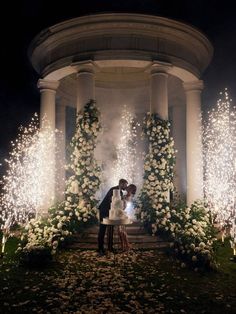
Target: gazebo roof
[(120, 39)]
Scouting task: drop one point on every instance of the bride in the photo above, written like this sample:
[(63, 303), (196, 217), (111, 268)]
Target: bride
[(131, 190)]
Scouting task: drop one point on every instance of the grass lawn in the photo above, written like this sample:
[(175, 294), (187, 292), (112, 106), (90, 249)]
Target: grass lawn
[(138, 282)]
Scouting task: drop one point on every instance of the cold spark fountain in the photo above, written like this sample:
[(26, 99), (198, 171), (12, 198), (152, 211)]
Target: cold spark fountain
[(126, 163), (28, 186), (219, 142)]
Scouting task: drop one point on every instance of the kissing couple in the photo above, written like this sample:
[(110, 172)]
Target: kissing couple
[(127, 193)]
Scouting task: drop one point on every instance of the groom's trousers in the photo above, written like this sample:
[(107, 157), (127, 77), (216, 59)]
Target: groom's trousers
[(101, 236)]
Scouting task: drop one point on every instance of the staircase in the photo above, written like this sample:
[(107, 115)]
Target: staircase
[(137, 237)]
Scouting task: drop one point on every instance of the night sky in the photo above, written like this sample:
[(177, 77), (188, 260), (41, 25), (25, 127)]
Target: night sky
[(19, 96)]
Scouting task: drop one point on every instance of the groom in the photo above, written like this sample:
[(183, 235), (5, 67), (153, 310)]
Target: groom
[(104, 208)]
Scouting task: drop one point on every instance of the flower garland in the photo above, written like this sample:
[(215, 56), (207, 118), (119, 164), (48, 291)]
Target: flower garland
[(85, 180), (158, 168), (79, 206), (189, 229)]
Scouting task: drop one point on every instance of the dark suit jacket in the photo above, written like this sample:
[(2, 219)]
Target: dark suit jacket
[(105, 205)]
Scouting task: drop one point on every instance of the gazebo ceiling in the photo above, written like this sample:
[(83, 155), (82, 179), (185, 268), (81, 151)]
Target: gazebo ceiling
[(119, 40)]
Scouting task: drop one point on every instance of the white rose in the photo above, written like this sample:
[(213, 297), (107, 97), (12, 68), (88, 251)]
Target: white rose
[(59, 225)]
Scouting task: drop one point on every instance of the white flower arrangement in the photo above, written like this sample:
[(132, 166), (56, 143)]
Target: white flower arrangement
[(158, 168), (86, 173), (188, 228), (191, 231)]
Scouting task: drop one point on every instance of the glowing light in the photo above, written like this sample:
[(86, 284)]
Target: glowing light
[(126, 163), (130, 210), (28, 186), (219, 142)]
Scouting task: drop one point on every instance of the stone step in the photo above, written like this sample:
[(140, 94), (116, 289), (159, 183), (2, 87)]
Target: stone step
[(129, 230), (131, 238), (137, 237), (136, 246), (135, 230), (135, 227), (133, 224)]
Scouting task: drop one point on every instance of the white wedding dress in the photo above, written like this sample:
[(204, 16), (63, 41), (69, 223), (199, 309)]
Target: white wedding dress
[(129, 207)]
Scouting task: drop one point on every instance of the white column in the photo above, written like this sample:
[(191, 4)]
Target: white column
[(61, 142), (159, 90), (48, 101), (159, 95), (194, 141), (47, 111), (85, 84), (179, 134)]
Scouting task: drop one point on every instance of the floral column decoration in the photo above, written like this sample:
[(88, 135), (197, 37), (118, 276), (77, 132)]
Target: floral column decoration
[(189, 229), (84, 180), (158, 170)]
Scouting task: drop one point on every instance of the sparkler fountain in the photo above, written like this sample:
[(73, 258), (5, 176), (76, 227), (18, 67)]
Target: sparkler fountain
[(127, 158), (126, 164), (219, 140), (28, 186)]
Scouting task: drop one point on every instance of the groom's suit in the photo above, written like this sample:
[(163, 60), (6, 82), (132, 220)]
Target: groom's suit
[(104, 208)]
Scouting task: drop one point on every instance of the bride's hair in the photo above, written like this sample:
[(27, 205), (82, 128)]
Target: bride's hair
[(131, 189)]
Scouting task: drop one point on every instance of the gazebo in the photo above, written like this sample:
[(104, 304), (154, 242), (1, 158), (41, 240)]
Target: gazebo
[(149, 62)]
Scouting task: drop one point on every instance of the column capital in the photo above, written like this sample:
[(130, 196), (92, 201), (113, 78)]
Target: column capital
[(159, 68), (47, 85), (193, 86), (85, 67), (85, 82)]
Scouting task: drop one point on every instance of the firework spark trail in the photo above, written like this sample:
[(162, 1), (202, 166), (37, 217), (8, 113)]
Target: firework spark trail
[(126, 164), (219, 141), (28, 186)]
